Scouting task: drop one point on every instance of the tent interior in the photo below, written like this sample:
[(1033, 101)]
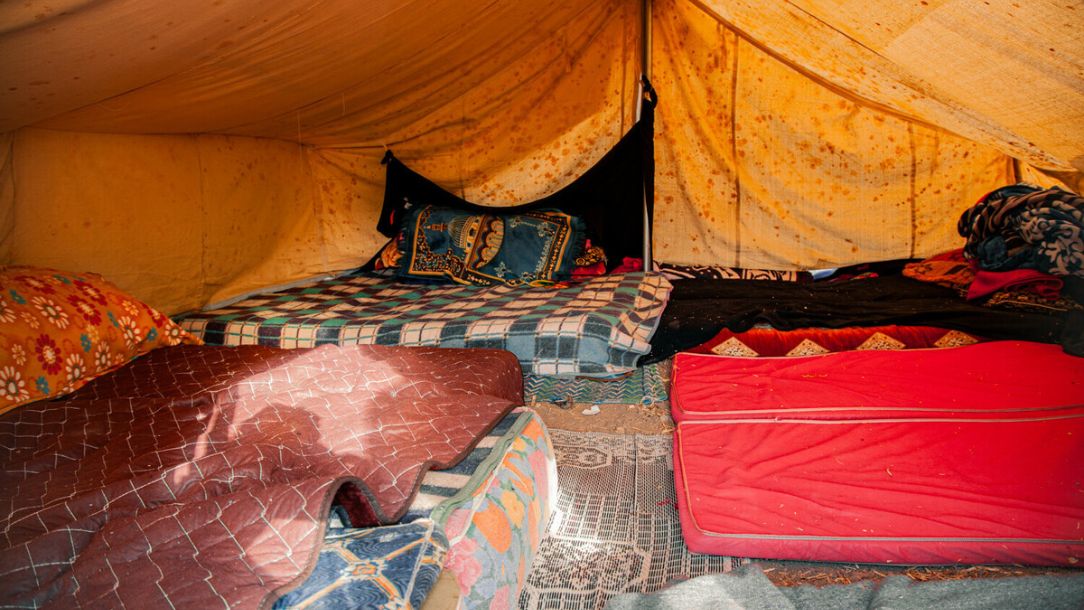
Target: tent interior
[(198, 151), (194, 152)]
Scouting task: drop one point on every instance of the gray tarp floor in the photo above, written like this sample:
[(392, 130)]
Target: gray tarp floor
[(749, 589)]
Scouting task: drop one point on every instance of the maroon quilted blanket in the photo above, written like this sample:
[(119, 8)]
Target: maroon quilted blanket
[(201, 477)]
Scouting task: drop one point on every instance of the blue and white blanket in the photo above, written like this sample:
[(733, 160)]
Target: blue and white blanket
[(597, 328)]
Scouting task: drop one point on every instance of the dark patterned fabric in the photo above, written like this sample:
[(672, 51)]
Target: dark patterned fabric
[(201, 477), (384, 567), (1025, 227), (531, 247), (713, 272), (599, 327), (699, 309)]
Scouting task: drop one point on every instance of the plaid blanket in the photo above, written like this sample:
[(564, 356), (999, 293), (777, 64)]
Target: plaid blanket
[(598, 328)]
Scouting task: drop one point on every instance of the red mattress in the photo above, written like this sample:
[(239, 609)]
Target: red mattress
[(978, 380), (864, 477)]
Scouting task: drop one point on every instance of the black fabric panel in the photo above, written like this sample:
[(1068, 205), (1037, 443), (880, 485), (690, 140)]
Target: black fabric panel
[(609, 196), (699, 309)]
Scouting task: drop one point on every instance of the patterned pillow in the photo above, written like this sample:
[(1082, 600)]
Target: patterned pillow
[(536, 247), (389, 256), (59, 330)]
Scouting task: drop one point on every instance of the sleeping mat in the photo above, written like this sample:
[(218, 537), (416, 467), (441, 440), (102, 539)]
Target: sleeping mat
[(961, 455)]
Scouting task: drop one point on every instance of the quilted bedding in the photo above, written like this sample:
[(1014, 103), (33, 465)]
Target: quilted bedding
[(221, 464), (598, 328)]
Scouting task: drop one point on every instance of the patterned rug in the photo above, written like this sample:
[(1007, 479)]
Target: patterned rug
[(615, 525), (646, 385)]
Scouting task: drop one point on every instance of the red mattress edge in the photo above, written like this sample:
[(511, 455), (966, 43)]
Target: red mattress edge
[(863, 549)]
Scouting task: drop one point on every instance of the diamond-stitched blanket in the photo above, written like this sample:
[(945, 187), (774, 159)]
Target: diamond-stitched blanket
[(201, 477), (600, 327)]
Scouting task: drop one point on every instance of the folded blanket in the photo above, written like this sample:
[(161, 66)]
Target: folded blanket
[(989, 282)]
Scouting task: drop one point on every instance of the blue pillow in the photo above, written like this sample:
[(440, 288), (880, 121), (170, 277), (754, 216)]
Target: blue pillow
[(537, 247)]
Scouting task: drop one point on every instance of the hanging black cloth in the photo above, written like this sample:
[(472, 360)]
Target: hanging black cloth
[(609, 196)]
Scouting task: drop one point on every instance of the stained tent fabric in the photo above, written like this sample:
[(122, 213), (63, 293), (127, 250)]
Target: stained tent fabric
[(614, 197), (194, 151)]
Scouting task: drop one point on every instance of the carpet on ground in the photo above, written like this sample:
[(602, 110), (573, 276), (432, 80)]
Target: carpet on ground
[(614, 536), (615, 525)]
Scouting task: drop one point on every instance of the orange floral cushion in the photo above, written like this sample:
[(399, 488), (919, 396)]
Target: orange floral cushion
[(59, 330)]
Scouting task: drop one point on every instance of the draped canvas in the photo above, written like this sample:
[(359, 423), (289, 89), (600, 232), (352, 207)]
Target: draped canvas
[(792, 134)]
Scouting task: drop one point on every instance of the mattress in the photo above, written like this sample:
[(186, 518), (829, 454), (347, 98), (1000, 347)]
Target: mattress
[(599, 328), (963, 455), (980, 380)]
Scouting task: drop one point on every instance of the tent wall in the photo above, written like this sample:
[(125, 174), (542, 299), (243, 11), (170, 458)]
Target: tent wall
[(761, 166), (178, 220), (182, 221), (805, 133), (1002, 72)]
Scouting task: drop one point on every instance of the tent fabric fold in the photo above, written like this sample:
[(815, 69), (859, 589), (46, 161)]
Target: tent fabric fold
[(609, 197)]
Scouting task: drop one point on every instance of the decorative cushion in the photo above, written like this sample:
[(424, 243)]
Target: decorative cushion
[(536, 247), (59, 330)]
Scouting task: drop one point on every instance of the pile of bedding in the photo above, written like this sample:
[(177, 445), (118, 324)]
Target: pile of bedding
[(224, 463), (699, 309), (599, 327), (201, 476)]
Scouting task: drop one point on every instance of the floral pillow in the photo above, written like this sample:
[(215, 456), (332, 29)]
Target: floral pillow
[(59, 330)]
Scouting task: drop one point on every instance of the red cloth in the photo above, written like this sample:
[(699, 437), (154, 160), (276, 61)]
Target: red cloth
[(589, 270), (949, 269), (1031, 280), (629, 265), (899, 492)]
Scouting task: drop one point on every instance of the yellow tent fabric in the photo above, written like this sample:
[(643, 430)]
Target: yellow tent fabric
[(192, 151)]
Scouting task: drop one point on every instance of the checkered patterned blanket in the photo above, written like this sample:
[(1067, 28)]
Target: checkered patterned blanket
[(597, 328)]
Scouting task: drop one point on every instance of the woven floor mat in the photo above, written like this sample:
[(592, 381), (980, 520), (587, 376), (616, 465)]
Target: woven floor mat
[(615, 526)]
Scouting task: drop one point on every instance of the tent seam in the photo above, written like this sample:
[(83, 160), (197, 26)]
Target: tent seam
[(913, 195), (203, 216), (734, 153), (8, 237)]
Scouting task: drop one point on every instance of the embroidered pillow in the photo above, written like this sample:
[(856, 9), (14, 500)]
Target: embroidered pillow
[(59, 330), (536, 247)]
